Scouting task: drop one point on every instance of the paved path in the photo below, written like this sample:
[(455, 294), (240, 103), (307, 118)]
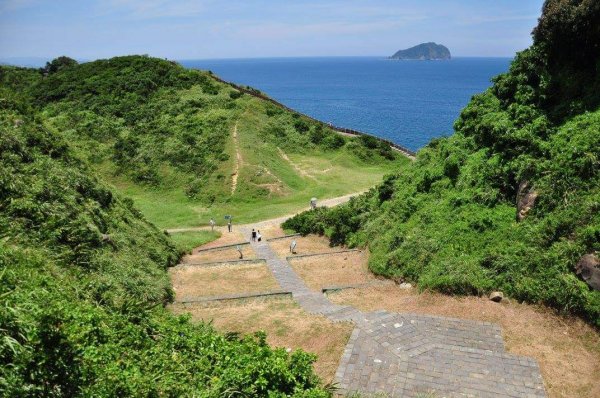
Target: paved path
[(261, 224), (410, 355)]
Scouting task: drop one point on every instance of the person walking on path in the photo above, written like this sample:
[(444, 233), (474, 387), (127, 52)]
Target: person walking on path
[(253, 236), (212, 224), (229, 225), (258, 236)]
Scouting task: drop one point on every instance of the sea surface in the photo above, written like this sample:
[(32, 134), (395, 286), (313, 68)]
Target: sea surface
[(407, 102)]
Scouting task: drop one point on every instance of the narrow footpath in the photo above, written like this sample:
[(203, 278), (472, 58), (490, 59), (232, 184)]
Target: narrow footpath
[(410, 355), (238, 160)]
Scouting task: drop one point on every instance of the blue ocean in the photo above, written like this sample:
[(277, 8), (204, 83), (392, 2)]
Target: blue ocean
[(406, 102)]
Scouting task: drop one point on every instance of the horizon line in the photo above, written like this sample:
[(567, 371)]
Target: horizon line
[(183, 59)]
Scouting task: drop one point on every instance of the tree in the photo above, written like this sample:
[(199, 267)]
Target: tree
[(59, 63)]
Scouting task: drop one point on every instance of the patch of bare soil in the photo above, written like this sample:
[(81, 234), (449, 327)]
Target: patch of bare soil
[(310, 244), (190, 282), (567, 349), (286, 325), (348, 268)]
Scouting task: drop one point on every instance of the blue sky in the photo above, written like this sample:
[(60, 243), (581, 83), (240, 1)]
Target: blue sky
[(187, 29)]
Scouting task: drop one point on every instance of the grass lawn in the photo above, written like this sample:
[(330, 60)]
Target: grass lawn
[(334, 174), (186, 241)]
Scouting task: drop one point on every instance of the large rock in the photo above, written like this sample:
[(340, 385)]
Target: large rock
[(496, 296), (588, 267), (526, 197)]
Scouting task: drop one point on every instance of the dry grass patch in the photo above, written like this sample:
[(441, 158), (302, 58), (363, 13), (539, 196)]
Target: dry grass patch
[(347, 268), (310, 244), (271, 231), (287, 325), (567, 349), (226, 238), (189, 282), (228, 254)]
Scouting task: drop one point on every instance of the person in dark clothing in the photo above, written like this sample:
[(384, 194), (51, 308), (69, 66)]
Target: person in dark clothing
[(229, 225), (253, 235)]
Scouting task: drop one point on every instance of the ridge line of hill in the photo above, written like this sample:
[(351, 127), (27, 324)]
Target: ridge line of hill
[(342, 130)]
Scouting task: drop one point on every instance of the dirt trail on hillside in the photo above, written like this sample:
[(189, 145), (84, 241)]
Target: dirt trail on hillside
[(303, 173), (238, 160)]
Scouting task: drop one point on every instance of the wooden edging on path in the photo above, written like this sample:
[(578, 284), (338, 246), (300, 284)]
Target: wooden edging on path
[(221, 247), (224, 262), (322, 254), (283, 237), (330, 289), (239, 296)]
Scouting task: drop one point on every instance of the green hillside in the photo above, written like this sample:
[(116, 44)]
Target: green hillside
[(83, 281), (83, 285), (187, 147), (451, 220)]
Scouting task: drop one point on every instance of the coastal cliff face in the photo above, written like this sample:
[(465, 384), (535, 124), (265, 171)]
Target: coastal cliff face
[(424, 51)]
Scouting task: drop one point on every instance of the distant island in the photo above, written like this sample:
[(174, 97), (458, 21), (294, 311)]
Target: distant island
[(424, 51)]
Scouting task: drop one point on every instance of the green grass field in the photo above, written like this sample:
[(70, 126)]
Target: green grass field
[(171, 208), (186, 241), (272, 181)]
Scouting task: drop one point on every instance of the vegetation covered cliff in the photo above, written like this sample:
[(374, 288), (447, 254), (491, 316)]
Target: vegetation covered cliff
[(511, 201)]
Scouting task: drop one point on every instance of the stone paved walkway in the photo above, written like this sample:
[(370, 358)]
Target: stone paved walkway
[(410, 355)]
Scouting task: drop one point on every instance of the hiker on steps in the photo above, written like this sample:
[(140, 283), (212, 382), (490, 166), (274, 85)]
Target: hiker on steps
[(253, 236)]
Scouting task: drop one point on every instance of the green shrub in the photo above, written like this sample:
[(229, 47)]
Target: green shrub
[(333, 141)]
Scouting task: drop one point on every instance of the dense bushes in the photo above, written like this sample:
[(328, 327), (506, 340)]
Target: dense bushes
[(569, 33), (83, 285), (449, 221), (56, 342)]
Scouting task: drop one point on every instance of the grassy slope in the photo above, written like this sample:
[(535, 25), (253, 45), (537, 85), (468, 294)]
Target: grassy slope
[(449, 220), (165, 139), (331, 174), (188, 240)]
